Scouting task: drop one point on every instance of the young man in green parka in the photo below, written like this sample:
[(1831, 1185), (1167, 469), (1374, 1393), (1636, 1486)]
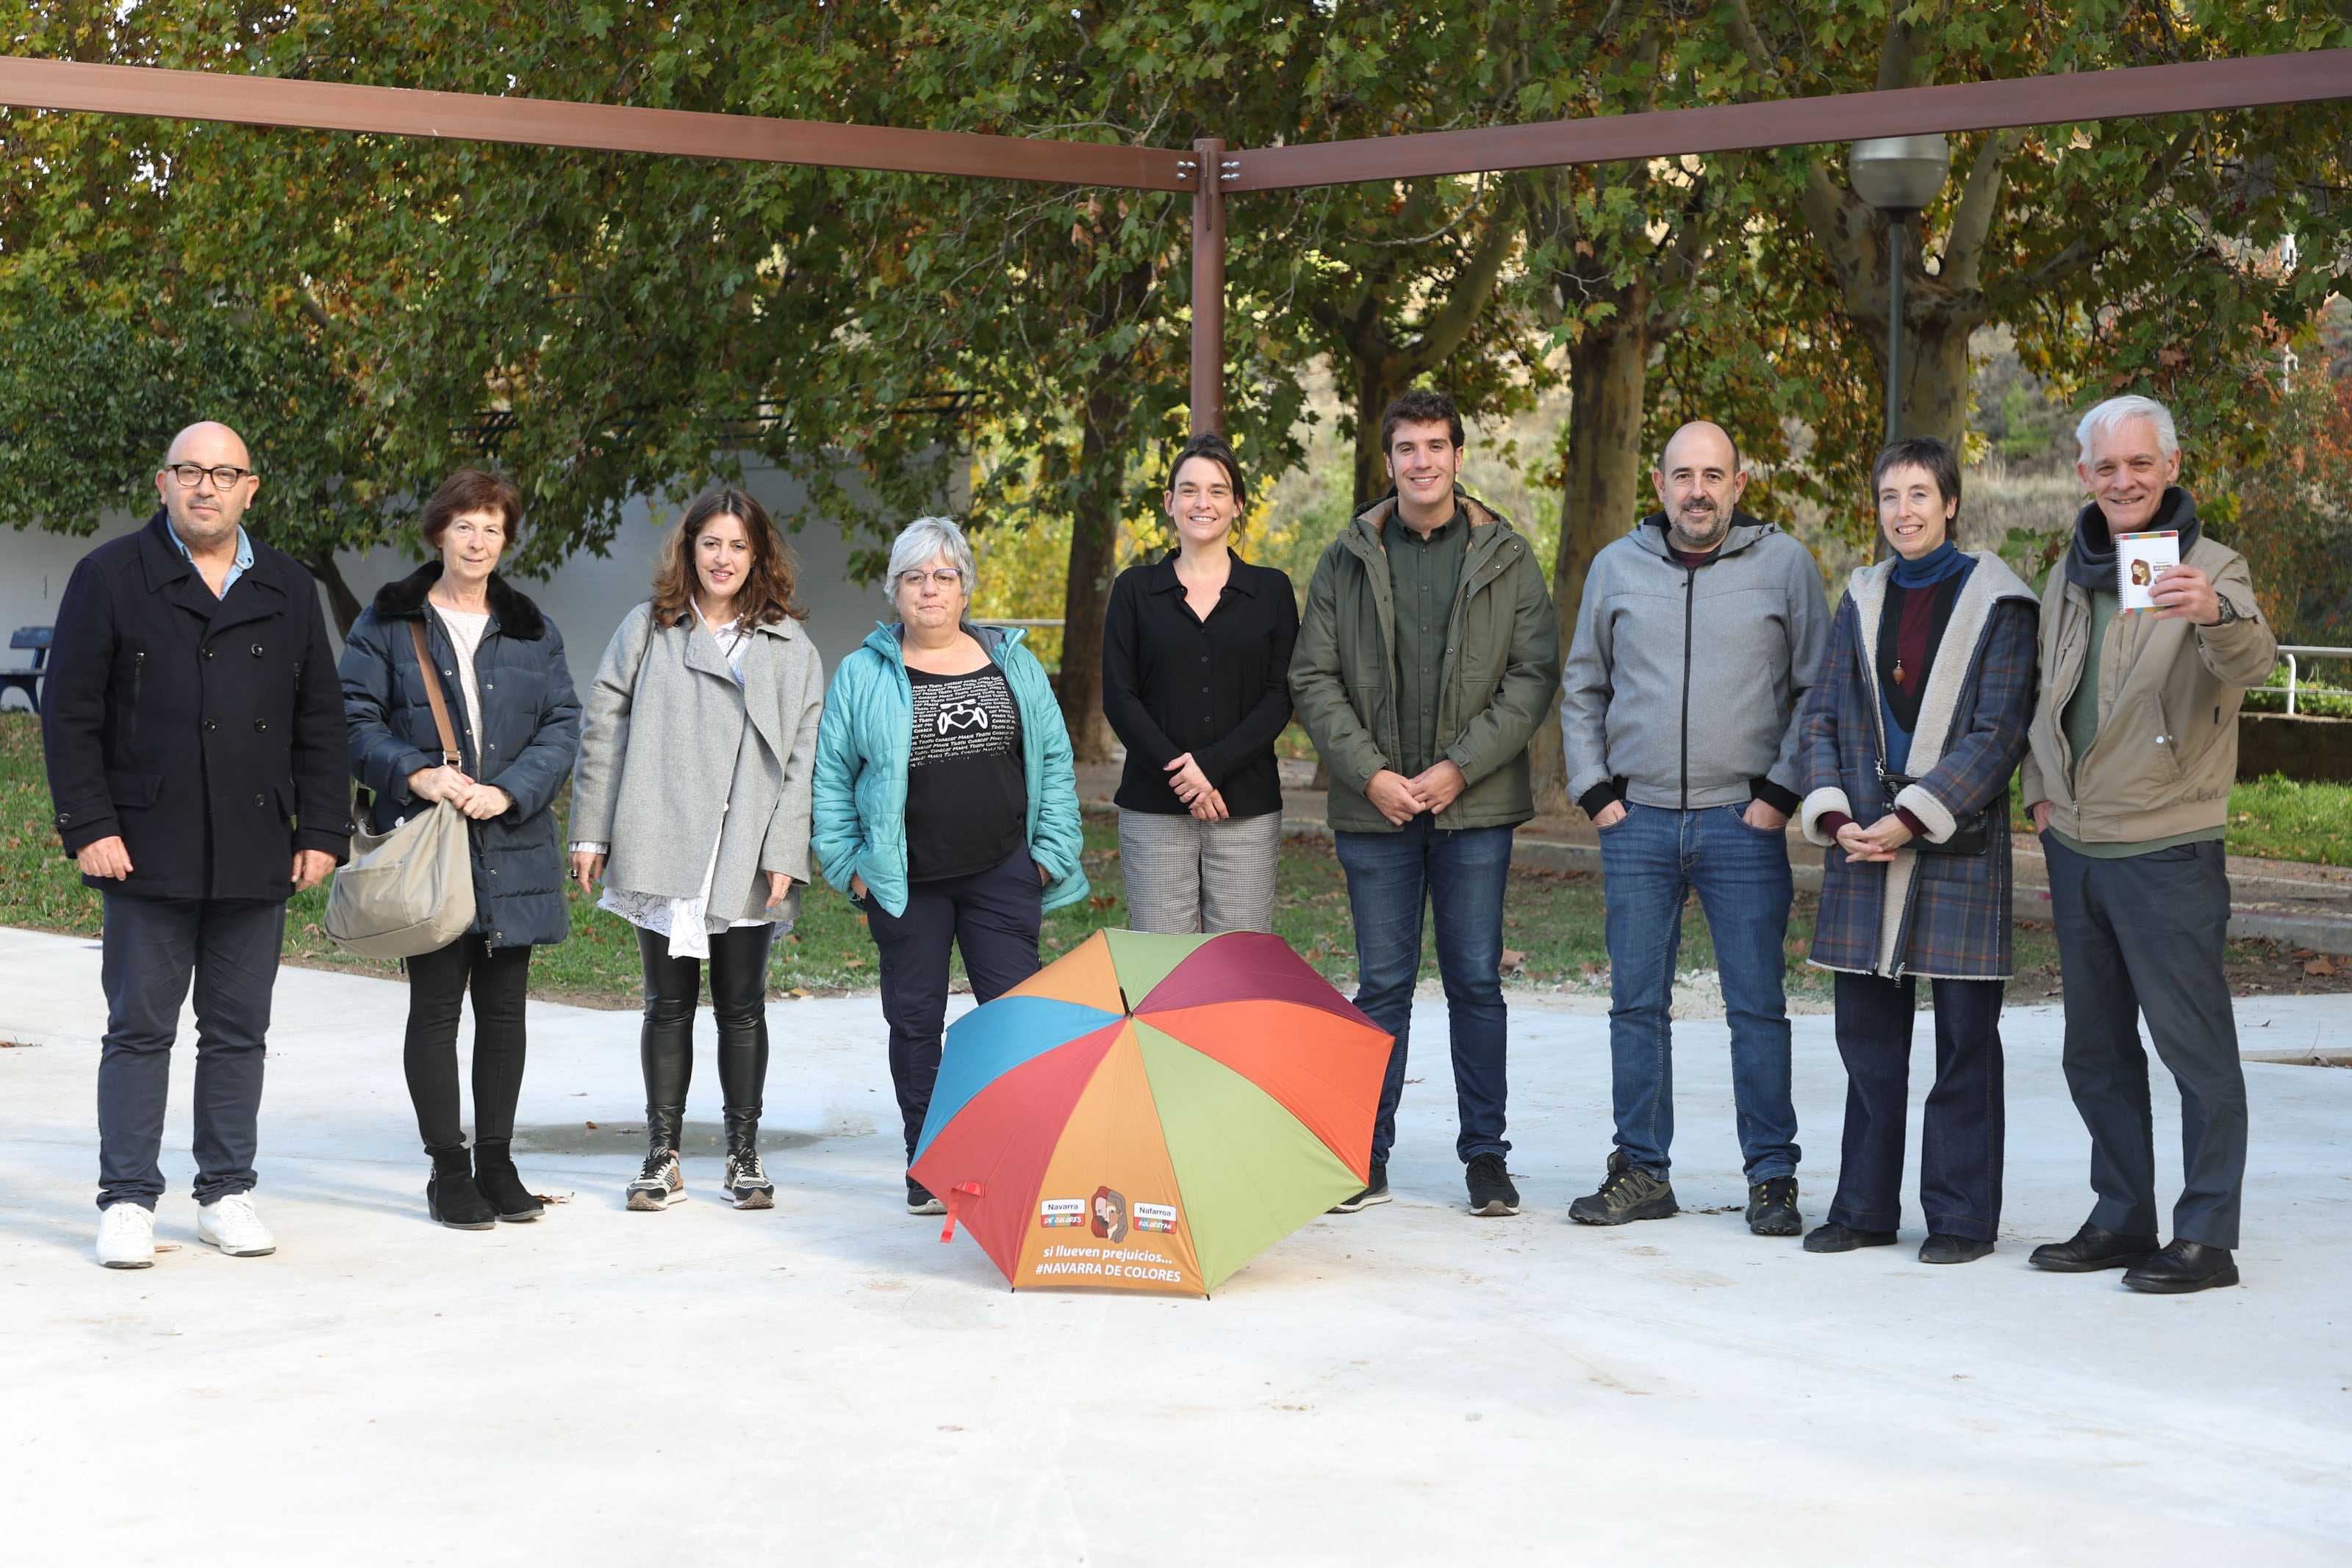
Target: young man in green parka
[(1425, 659)]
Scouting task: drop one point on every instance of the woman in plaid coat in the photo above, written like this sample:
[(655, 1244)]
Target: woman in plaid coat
[(1907, 744)]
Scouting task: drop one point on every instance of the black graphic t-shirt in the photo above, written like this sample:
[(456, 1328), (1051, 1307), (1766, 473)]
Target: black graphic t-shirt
[(967, 798)]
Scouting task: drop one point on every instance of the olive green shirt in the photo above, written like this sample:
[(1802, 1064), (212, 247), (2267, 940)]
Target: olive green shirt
[(2079, 720), (1423, 575)]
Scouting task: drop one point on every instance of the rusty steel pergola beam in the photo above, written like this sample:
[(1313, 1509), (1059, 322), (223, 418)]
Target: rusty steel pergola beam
[(288, 104), (1210, 171), (2191, 87)]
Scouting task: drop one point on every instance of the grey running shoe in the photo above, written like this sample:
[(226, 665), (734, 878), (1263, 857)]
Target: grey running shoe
[(1772, 1206), (658, 1183), (1376, 1191), (746, 1183), (1627, 1193), (921, 1200)]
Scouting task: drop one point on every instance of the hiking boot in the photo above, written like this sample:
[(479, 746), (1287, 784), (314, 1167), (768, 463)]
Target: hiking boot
[(1772, 1206), (1627, 1193), (746, 1183), (658, 1184), (919, 1199), (1491, 1192), (1376, 1191)]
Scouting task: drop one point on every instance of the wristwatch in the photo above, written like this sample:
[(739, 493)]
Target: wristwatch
[(2228, 611)]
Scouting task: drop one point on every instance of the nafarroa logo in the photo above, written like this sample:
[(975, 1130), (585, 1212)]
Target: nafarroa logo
[(1155, 1216), (1060, 1212)]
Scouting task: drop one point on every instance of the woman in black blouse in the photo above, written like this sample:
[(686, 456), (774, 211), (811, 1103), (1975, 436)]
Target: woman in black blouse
[(1196, 669)]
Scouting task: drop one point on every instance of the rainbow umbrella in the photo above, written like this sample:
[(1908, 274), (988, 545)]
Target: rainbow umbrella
[(1152, 1112)]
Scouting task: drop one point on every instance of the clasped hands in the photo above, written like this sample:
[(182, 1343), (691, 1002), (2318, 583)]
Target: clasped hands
[(1876, 843), (1400, 799), (1202, 799), (479, 801)]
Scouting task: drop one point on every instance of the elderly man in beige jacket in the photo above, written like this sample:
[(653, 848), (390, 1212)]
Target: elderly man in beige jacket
[(2135, 745)]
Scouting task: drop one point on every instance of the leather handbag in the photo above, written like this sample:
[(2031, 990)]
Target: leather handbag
[(409, 891)]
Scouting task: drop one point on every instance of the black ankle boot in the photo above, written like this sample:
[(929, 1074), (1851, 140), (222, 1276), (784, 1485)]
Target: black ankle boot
[(502, 1183), (451, 1196)]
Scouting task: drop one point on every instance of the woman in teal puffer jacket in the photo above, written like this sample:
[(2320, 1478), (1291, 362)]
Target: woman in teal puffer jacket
[(946, 805)]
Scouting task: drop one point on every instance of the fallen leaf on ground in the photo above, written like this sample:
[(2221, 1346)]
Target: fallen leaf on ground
[(1512, 960), (591, 1127), (2321, 967)]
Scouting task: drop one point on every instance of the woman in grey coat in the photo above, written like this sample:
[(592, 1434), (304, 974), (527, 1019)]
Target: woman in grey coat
[(691, 805)]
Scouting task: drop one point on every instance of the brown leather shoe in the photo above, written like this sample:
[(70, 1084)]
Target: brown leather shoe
[(2091, 1250)]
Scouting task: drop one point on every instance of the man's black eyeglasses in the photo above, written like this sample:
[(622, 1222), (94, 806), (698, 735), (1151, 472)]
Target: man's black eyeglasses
[(191, 475)]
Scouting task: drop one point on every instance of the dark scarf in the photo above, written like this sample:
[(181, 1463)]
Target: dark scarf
[(2091, 558), (1934, 567)]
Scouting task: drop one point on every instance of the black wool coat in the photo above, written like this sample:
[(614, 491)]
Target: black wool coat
[(531, 734), (206, 733)]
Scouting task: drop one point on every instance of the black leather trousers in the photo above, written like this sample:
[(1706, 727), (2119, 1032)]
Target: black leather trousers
[(738, 1002)]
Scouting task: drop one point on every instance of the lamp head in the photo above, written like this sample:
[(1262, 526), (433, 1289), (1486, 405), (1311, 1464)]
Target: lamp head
[(1899, 173)]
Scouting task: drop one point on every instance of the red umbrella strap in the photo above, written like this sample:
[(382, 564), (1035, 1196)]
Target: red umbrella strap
[(947, 1231)]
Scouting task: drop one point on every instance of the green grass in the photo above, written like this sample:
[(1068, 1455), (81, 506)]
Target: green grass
[(2272, 819), (2277, 817), (1553, 922)]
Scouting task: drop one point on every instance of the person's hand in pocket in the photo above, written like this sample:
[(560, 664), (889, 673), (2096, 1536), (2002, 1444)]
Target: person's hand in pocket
[(1609, 816)]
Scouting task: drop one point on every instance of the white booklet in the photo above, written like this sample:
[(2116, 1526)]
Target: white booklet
[(2140, 559)]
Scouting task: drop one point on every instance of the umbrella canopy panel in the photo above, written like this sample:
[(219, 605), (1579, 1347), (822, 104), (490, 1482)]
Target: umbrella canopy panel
[(1227, 1101)]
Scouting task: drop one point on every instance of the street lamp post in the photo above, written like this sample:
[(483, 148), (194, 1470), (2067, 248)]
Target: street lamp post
[(1899, 176)]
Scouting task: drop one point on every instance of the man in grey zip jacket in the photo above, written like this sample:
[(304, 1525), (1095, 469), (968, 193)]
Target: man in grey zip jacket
[(1696, 640)]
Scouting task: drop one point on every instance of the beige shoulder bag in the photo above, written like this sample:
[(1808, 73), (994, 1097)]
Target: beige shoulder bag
[(409, 891)]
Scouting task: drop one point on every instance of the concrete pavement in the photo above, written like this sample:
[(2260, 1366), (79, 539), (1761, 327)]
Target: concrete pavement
[(826, 1384)]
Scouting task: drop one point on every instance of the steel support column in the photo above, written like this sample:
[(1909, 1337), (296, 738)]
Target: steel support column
[(1209, 287)]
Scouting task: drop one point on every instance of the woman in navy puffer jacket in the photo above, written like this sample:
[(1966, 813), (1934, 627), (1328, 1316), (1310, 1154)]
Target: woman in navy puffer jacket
[(508, 694)]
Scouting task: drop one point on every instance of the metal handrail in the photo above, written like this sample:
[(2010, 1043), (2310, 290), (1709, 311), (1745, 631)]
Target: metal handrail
[(2291, 650)]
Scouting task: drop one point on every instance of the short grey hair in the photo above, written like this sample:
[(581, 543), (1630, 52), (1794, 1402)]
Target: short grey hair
[(2111, 415), (923, 540)]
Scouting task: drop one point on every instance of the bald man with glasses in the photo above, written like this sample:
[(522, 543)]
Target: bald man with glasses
[(194, 730)]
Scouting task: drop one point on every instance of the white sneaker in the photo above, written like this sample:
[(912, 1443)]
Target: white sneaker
[(126, 1236), (232, 1226)]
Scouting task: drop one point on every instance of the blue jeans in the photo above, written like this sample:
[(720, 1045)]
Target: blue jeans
[(151, 949), (1651, 862), (1460, 875)]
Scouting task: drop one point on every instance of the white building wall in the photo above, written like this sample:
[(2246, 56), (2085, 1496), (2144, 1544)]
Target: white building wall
[(586, 597)]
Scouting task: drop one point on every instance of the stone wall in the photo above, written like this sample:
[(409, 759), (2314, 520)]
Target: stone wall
[(2312, 749)]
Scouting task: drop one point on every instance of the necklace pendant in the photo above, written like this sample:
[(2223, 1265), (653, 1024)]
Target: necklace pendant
[(1898, 672)]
